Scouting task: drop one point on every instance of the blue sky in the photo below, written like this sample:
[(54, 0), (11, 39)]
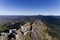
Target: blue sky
[(29, 7)]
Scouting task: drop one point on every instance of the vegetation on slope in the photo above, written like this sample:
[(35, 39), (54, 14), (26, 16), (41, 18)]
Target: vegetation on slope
[(53, 31), (3, 27)]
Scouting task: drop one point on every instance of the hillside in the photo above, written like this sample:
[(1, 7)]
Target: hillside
[(39, 31), (33, 27)]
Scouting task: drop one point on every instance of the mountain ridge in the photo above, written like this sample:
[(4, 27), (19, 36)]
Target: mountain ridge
[(33, 27)]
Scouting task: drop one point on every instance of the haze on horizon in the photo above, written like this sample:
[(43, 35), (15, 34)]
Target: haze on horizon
[(29, 7)]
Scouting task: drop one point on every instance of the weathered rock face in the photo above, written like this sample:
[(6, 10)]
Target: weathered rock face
[(3, 36), (25, 29), (37, 32)]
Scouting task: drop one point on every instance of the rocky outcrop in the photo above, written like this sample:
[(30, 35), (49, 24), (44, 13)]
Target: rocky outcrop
[(37, 32), (3, 36), (25, 29)]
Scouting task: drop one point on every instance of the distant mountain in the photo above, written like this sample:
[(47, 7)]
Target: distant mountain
[(29, 17), (51, 20), (57, 17)]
